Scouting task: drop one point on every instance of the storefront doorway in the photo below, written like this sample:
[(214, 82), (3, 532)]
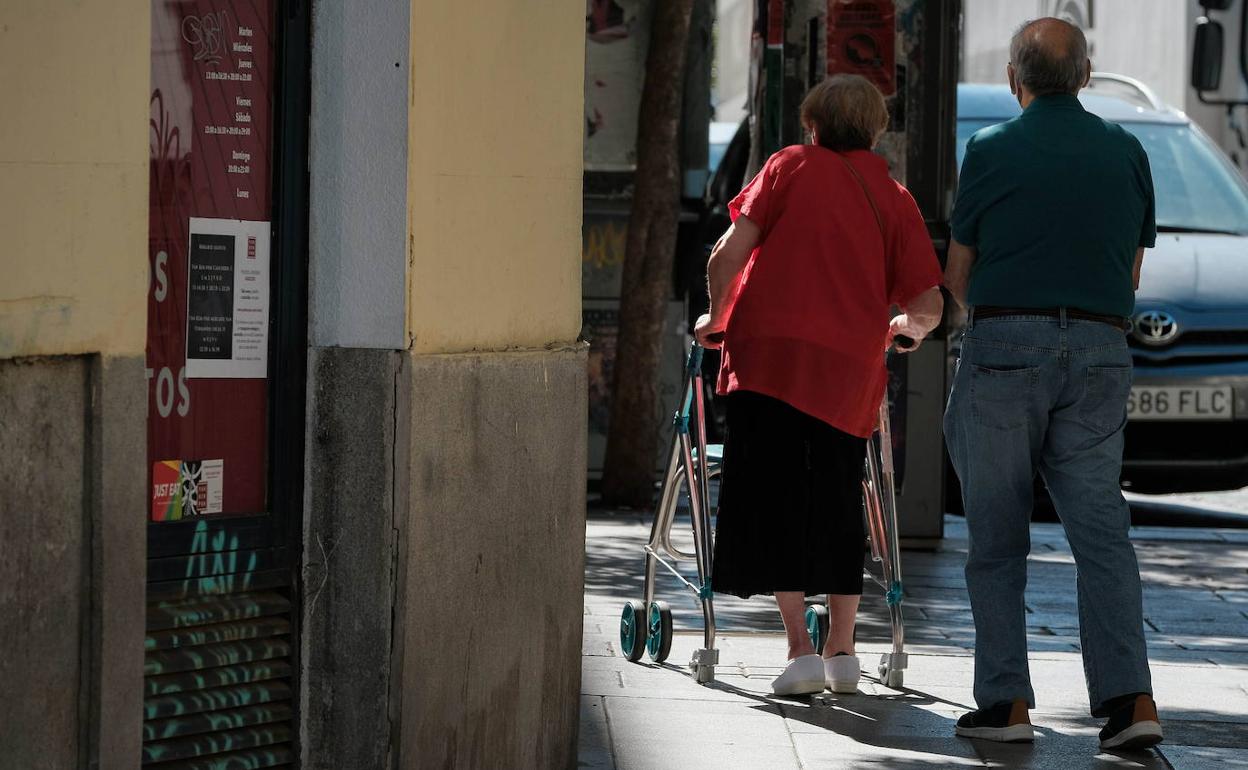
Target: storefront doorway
[(226, 354)]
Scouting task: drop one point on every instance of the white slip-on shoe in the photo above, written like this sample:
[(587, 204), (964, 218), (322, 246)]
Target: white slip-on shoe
[(842, 673), (803, 676)]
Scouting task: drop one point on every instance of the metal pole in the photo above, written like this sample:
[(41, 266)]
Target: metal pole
[(705, 537)]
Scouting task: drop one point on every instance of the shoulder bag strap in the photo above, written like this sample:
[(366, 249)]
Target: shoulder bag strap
[(870, 199)]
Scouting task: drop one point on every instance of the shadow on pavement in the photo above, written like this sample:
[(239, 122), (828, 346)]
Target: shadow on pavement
[(895, 723), (906, 722)]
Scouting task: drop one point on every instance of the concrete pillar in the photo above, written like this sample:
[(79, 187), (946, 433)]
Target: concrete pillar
[(495, 566), (444, 542), (73, 210)]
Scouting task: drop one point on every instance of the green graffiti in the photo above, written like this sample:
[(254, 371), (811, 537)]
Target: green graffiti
[(214, 563), (227, 654), (180, 704)]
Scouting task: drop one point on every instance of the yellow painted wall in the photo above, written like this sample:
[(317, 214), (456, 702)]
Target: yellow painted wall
[(494, 173), (73, 176)]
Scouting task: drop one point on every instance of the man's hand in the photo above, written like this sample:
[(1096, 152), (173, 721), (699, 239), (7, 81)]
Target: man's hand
[(709, 334)]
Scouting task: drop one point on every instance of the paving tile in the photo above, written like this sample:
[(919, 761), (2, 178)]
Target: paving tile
[(1221, 734), (952, 648), (1180, 658), (1198, 614), (866, 718), (1052, 750), (616, 677), (1196, 596), (661, 751), (594, 739), (1235, 632), (1207, 643), (656, 733), (1203, 757), (1177, 534), (1036, 642), (599, 648), (1226, 658), (742, 720), (868, 748)]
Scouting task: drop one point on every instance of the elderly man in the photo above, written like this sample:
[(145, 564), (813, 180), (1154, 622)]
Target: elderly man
[(1053, 214)]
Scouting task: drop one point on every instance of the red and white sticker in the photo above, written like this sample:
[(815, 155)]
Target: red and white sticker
[(184, 489), (862, 40)]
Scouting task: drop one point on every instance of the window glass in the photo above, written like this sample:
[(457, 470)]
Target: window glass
[(1196, 188)]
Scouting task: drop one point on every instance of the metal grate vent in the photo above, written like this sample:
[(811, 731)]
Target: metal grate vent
[(218, 676)]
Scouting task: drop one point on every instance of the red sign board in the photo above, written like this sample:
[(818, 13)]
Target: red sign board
[(862, 41), (211, 149)]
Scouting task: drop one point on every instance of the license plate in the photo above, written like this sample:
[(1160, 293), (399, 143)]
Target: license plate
[(1149, 402)]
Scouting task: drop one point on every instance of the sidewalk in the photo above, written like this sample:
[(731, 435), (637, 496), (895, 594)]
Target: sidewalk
[(646, 716)]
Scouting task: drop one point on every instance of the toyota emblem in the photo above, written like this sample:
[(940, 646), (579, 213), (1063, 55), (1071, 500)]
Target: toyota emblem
[(1155, 327)]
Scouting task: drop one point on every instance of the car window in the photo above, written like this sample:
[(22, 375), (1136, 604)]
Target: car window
[(715, 156), (966, 128), (720, 135), (1196, 188)]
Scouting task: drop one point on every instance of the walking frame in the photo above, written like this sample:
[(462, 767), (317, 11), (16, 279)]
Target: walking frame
[(646, 626)]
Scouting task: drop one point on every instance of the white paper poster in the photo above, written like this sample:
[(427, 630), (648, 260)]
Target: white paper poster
[(227, 299), (209, 481)]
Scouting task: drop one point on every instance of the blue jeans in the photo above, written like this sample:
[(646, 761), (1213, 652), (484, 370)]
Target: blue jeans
[(1041, 394)]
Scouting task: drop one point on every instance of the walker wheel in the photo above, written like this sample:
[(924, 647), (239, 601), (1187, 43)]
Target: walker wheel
[(659, 631), (817, 626), (633, 630), (896, 679), (892, 678)]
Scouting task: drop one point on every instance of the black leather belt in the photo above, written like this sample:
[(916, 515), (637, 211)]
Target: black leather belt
[(981, 312)]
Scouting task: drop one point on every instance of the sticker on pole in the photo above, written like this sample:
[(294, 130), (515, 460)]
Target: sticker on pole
[(862, 41)]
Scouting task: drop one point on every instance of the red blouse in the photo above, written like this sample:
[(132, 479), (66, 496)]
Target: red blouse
[(809, 321)]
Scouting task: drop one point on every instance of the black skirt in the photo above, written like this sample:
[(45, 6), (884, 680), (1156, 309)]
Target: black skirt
[(790, 503)]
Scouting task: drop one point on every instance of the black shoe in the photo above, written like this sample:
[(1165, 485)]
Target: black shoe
[(1133, 725), (1005, 722)]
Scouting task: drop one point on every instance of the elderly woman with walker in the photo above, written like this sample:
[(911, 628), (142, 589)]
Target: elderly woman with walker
[(823, 244)]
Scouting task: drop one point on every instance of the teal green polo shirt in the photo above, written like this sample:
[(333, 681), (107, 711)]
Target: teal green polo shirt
[(1055, 202)]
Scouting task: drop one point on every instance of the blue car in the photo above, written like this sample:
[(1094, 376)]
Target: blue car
[(1187, 426)]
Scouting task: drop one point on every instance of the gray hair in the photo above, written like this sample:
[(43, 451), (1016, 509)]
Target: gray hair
[(1045, 68)]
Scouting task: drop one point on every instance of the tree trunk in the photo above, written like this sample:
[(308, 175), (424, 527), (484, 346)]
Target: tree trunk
[(629, 468)]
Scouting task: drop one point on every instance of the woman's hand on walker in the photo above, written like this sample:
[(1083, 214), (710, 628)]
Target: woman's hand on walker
[(709, 334), (904, 326)]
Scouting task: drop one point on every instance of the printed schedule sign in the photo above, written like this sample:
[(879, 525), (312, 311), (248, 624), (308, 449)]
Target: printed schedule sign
[(208, 248), (227, 311), (210, 298)]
